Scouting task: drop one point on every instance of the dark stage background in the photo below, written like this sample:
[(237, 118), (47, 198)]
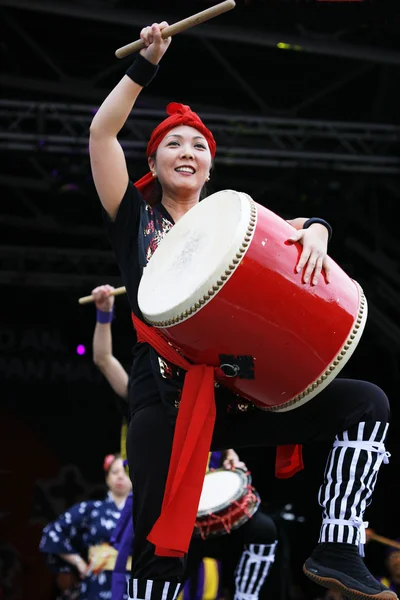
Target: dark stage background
[(304, 101)]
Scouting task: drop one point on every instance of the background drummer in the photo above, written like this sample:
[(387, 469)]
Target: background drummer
[(352, 414)]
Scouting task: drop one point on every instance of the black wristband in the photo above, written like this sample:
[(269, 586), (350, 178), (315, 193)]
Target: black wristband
[(321, 222), (142, 71)]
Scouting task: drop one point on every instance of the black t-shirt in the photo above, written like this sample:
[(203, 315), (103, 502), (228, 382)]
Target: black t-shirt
[(134, 235)]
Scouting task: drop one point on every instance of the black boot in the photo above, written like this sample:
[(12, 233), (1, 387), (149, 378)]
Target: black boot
[(349, 481), (340, 567)]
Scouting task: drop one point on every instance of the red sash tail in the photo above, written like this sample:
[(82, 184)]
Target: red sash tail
[(289, 460)]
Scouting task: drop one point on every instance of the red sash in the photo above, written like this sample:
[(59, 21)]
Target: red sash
[(172, 532)]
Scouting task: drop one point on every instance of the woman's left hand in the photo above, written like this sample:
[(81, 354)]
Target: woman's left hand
[(314, 255)]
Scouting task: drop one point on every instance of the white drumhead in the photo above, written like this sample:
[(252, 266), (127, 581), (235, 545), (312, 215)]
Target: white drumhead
[(195, 253), (219, 489)]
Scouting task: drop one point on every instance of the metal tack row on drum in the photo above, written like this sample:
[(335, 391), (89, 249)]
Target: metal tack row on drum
[(222, 288)]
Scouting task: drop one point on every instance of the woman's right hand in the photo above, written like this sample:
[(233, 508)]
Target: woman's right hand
[(102, 298), (82, 567), (156, 47)]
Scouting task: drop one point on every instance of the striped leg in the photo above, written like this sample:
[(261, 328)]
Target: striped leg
[(252, 570), (148, 589), (349, 482)]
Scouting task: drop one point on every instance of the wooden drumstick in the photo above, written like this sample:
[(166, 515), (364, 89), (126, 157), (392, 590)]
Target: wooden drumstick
[(116, 292), (384, 540), (179, 26)]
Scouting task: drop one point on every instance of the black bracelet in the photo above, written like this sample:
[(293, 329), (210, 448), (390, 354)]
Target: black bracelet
[(321, 222), (142, 71)]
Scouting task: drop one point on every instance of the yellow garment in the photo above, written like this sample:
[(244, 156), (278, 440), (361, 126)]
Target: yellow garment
[(102, 558), (124, 432), (211, 578)]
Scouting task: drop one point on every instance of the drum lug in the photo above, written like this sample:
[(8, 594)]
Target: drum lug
[(237, 366), (230, 370)]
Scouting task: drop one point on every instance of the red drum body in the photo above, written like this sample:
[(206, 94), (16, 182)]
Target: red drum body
[(227, 501), (223, 290)]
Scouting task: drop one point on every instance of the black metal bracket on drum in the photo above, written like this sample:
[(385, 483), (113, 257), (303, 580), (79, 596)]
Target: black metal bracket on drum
[(237, 366)]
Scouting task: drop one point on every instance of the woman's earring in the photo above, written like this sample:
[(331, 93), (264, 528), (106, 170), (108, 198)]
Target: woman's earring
[(208, 178), (154, 174)]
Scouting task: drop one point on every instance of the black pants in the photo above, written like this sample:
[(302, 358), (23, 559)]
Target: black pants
[(339, 406), (228, 548)]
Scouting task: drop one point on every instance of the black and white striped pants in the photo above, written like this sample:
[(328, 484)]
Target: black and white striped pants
[(246, 554), (342, 405), (252, 570), (350, 476)]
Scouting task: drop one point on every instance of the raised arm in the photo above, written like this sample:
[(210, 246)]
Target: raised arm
[(107, 158), (103, 356)]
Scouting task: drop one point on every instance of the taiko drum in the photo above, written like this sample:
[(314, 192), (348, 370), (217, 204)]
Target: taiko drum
[(223, 289)]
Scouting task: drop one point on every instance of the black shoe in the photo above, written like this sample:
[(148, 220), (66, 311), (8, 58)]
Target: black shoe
[(340, 567)]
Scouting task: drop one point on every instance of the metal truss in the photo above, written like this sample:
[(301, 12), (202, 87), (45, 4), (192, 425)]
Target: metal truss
[(243, 140), (224, 44), (378, 259)]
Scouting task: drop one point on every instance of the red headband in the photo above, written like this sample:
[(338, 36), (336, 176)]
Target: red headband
[(108, 461), (179, 114)]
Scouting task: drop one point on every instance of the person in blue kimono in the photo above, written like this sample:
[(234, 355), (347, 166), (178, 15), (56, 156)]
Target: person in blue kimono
[(79, 540)]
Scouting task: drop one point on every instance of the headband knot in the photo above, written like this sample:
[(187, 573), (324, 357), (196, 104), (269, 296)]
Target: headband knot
[(175, 107)]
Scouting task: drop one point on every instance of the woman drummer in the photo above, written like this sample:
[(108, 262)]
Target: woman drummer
[(354, 414)]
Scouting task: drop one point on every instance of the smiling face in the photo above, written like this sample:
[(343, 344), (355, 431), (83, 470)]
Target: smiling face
[(183, 162)]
